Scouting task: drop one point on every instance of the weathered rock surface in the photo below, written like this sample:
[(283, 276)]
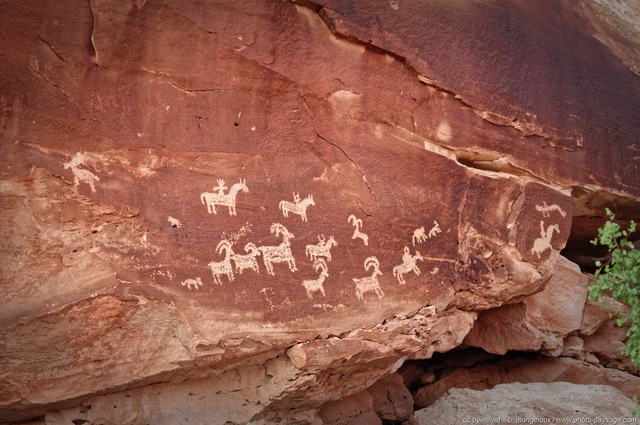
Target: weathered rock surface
[(541, 321), (536, 401), (480, 373), (259, 208)]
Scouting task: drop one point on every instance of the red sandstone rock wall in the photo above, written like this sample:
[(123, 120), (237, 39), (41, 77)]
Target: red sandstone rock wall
[(196, 190)]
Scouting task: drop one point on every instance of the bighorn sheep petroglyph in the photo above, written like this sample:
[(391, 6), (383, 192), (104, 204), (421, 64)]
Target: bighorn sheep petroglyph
[(370, 283), (317, 285)]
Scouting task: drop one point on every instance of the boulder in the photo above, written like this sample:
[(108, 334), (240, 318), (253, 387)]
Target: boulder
[(392, 400), (486, 373), (541, 321), (533, 402)]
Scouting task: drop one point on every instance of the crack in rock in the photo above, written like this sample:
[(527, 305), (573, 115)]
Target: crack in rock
[(527, 130)]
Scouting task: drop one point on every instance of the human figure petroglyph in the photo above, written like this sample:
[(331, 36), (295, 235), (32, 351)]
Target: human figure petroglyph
[(357, 223), (280, 253), (298, 206), (211, 199), (546, 209), (543, 243), (248, 260), (192, 283), (317, 285), (369, 283), (409, 264), (81, 175), (321, 249), (219, 268)]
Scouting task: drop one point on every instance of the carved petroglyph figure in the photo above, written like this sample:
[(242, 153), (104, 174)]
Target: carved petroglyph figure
[(298, 206), (81, 175), (211, 199), (357, 223), (222, 267), (281, 253), (174, 222), (543, 243), (316, 285), (192, 283), (321, 249), (248, 260), (546, 209), (408, 265), (434, 230), (419, 236), (370, 283)]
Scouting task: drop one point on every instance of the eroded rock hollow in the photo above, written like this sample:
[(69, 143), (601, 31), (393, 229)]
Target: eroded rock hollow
[(240, 212)]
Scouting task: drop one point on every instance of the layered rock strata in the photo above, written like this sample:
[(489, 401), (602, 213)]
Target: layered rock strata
[(258, 208)]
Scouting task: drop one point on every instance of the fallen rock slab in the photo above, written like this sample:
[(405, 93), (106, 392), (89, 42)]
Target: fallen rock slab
[(535, 402)]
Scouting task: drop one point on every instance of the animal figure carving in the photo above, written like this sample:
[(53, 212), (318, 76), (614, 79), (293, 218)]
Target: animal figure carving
[(222, 267), (370, 283), (321, 249), (435, 229), (408, 265), (543, 243), (80, 174), (419, 236), (211, 199), (316, 285), (192, 283), (357, 223), (248, 260), (280, 253), (546, 209), (297, 206)]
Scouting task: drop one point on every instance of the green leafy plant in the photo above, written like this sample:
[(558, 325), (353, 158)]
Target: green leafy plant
[(620, 279)]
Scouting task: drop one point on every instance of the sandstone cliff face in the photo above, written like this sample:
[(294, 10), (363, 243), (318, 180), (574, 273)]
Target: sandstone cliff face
[(256, 208)]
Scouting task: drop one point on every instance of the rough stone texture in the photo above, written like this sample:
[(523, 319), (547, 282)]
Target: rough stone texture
[(541, 321), (392, 400), (535, 401), (460, 139), (484, 373)]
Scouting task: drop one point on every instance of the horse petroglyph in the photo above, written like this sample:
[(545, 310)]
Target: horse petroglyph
[(222, 267), (280, 253), (357, 223), (321, 249), (408, 265), (211, 199), (248, 260), (192, 283), (543, 243), (81, 175), (316, 285), (546, 209), (370, 283), (297, 206)]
